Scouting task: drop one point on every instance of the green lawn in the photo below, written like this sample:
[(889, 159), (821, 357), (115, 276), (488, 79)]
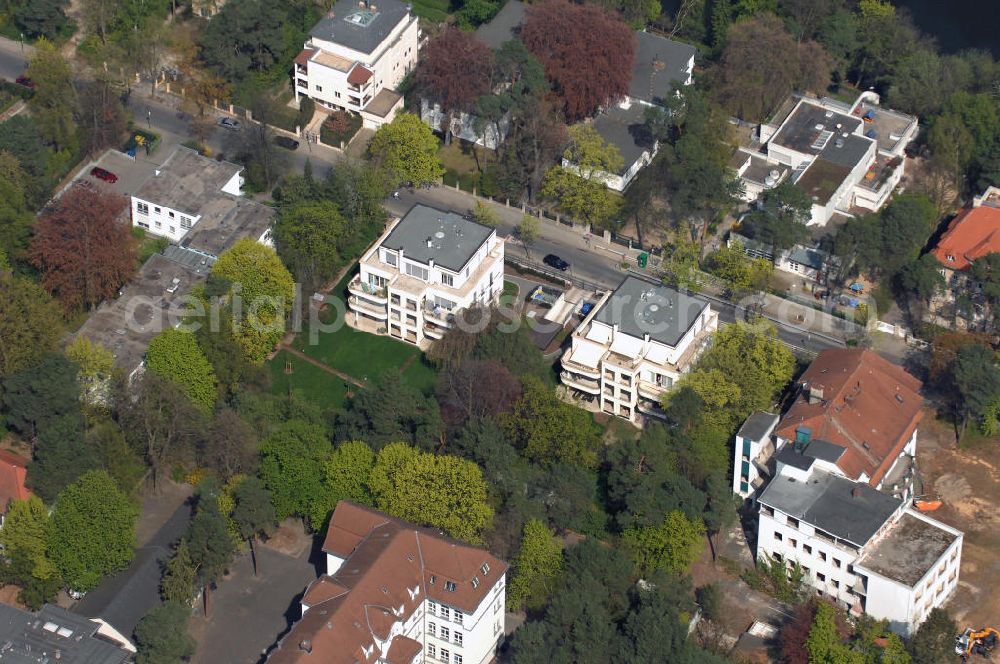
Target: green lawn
[(509, 295), (432, 10), (315, 384)]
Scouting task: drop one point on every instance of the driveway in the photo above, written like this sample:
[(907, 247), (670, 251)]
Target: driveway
[(249, 614)]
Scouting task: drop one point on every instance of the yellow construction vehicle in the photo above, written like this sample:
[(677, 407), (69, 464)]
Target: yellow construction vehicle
[(976, 642)]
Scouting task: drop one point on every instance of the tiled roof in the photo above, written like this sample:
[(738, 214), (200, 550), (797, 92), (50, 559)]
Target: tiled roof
[(359, 75), (868, 405), (13, 471), (972, 234), (304, 57), (403, 650), (390, 567)]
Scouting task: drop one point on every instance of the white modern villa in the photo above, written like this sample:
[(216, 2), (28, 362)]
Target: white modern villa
[(424, 269), (633, 345), (356, 56)]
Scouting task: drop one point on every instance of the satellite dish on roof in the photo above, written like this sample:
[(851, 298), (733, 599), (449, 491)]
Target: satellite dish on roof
[(439, 235), (654, 308)]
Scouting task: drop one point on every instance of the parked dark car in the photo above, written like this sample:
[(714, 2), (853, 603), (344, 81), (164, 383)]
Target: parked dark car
[(285, 142), (103, 174), (230, 124), (26, 82), (554, 261)]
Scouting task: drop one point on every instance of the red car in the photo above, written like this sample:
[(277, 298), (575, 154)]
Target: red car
[(26, 82), (103, 174)]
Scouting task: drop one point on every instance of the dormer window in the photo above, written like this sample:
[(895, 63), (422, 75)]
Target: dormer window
[(475, 582), (450, 586), (485, 569), (951, 259)]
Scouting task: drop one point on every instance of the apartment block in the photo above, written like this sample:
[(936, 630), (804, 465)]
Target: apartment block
[(425, 268), (355, 57), (754, 443), (395, 593), (864, 549), (633, 345)]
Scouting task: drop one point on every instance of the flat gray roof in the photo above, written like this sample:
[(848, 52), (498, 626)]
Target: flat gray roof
[(639, 308), (910, 549), (802, 128), (660, 67), (127, 324), (847, 150), (758, 425), (187, 181), (825, 451), (427, 234), (626, 130), (847, 510), (504, 26), (226, 220), (25, 639), (359, 28)]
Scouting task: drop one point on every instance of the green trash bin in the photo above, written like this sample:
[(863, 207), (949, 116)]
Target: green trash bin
[(642, 259)]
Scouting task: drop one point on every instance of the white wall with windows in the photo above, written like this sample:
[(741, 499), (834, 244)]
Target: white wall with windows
[(162, 221)]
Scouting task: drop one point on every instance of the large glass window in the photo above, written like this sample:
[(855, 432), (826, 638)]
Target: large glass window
[(416, 271)]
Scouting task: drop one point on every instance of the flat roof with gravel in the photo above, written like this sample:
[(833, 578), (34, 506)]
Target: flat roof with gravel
[(427, 234), (911, 548)]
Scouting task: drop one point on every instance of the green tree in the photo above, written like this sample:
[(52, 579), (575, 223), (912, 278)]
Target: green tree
[(437, 490), (266, 291), (20, 137), (585, 200), (93, 530), (42, 18), (547, 429), (254, 513), (976, 380), (485, 215), (824, 642), (920, 279), (209, 541), (30, 323), (780, 217), (291, 467), (951, 145), (391, 410), (175, 355), (310, 238), (40, 394), (935, 639), (528, 231), (536, 567), (161, 636), (179, 575), (721, 509), (895, 651), (345, 477), (95, 364), (16, 218), (106, 445), (671, 546), (740, 272), (406, 149), (55, 97), (247, 38), (60, 456), (25, 532)]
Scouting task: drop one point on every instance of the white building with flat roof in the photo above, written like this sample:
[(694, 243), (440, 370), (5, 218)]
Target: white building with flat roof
[(633, 345), (356, 56), (423, 270), (864, 549)]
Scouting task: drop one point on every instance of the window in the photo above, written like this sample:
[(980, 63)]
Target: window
[(793, 522), (836, 584), (820, 577), (744, 487), (475, 582), (416, 271), (792, 543), (432, 629), (319, 88), (808, 549), (457, 617), (185, 222), (836, 563), (458, 638), (450, 586), (445, 655), (431, 650), (746, 448), (159, 224), (156, 210), (485, 569), (170, 214), (445, 633), (776, 556), (172, 230), (778, 536), (457, 659), (822, 556), (447, 279), (389, 258), (445, 611), (142, 208), (432, 606)]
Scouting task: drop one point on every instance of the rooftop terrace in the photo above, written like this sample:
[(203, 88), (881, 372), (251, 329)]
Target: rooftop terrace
[(910, 549)]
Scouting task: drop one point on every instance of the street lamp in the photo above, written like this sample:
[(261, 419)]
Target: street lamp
[(149, 117), (22, 44)]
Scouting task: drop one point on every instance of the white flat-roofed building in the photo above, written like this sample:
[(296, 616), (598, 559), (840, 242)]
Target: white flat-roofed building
[(862, 548), (424, 269), (634, 344), (356, 56), (754, 448)]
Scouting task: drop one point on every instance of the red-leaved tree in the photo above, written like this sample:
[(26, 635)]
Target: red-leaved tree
[(83, 248), (587, 53), (455, 70)]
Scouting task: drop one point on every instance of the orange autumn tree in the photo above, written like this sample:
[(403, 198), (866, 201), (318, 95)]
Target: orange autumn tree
[(83, 249)]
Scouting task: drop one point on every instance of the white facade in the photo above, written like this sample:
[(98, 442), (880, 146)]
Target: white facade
[(837, 569), (417, 301), (754, 448), (173, 224), (339, 77), (627, 375), (447, 633)]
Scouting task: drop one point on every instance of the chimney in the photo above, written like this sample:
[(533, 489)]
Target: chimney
[(430, 243), (815, 395), (306, 646)]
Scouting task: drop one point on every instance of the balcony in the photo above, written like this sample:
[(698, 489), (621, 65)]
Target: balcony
[(652, 390), (368, 308), (581, 383), (439, 316), (651, 408), (367, 291), (590, 372), (433, 331)]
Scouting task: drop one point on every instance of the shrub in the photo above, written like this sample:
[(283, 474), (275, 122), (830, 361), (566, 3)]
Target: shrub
[(339, 128)]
